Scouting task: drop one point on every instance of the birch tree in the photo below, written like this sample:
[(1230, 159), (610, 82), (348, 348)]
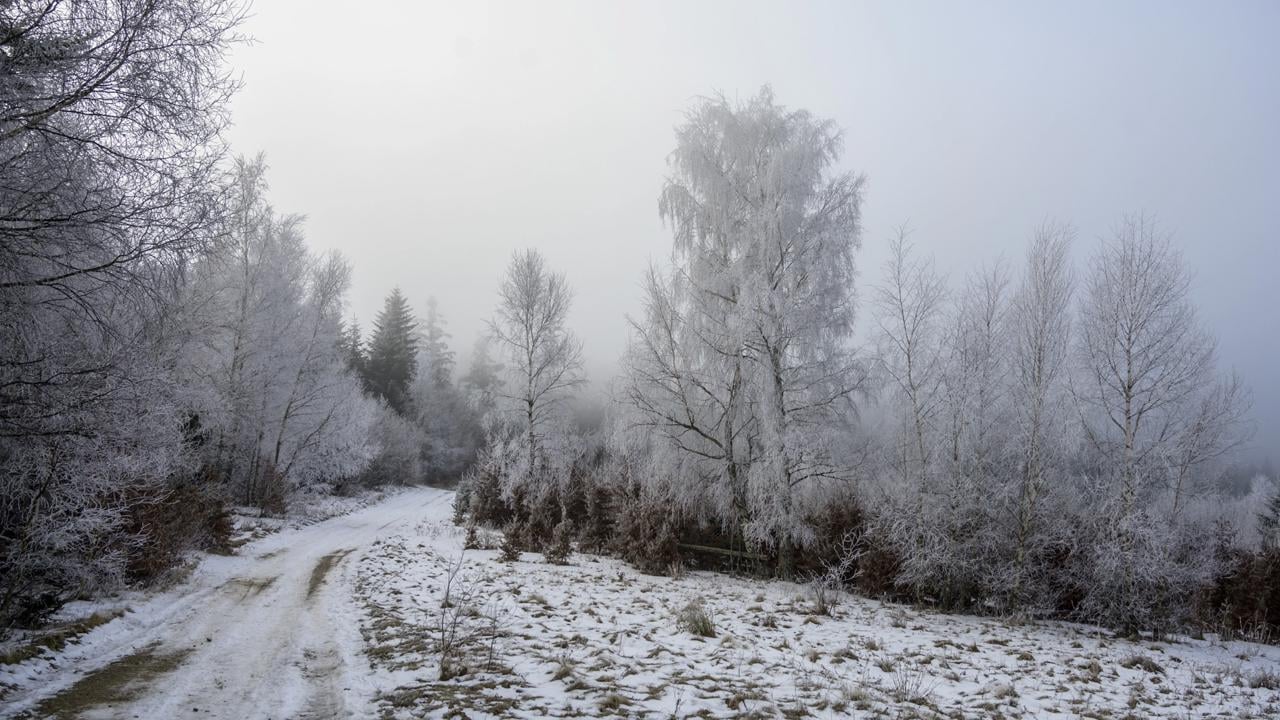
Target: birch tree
[(953, 533), (1147, 365), (765, 232), (544, 362), (909, 307), (686, 382), (1040, 335)]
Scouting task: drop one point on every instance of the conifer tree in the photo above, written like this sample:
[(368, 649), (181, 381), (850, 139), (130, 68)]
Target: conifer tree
[(392, 359), (351, 346), (483, 378), (435, 348)]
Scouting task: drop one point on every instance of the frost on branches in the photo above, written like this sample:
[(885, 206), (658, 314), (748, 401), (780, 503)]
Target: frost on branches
[(742, 361)]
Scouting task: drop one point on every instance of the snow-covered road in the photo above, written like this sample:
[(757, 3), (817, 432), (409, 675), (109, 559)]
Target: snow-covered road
[(269, 633)]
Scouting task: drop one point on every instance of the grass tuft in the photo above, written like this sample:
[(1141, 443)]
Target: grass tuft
[(695, 619)]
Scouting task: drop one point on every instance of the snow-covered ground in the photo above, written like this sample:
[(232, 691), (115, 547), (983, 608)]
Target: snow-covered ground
[(267, 633), (343, 619), (597, 638)]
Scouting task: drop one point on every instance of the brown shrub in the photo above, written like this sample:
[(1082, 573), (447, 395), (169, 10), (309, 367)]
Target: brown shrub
[(173, 519)]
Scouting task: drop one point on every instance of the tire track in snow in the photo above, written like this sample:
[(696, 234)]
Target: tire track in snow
[(266, 634)]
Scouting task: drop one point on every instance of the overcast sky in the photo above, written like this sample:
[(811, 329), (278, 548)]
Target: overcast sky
[(427, 141)]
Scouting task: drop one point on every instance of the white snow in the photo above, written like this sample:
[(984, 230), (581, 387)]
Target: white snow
[(250, 638), (597, 638)]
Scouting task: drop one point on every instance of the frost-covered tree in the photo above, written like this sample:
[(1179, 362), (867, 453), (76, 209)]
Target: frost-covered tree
[(1040, 336), (351, 343), (281, 407), (544, 363), (750, 335), (110, 146), (483, 378), (950, 525), (317, 435), (1268, 521), (909, 313), (686, 383), (435, 359), (1149, 399)]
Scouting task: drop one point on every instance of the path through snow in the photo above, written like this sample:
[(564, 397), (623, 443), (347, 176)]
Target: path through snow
[(269, 633)]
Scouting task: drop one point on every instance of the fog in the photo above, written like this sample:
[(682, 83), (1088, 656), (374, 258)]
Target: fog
[(943, 324), (428, 141)]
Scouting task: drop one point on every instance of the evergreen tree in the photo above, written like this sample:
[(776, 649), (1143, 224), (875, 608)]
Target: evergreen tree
[(450, 428), (392, 360), (483, 378), (351, 346), (436, 355)]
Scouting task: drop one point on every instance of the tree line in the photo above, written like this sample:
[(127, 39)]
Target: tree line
[(1041, 441)]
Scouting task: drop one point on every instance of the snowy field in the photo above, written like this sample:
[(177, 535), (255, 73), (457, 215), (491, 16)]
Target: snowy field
[(343, 618), (597, 638)]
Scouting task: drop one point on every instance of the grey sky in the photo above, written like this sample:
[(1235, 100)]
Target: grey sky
[(426, 141)]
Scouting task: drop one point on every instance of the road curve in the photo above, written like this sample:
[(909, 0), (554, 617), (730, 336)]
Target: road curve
[(270, 633)]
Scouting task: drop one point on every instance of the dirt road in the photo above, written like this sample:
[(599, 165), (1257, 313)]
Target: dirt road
[(270, 633)]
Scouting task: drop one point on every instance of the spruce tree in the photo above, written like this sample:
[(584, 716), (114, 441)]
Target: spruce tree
[(351, 346), (435, 348), (484, 376), (392, 358)]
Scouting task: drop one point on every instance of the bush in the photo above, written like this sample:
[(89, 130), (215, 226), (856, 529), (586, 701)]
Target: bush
[(181, 517), (398, 460), (560, 548), (1244, 600), (835, 523), (825, 593), (647, 536), (877, 566), (510, 547), (600, 521)]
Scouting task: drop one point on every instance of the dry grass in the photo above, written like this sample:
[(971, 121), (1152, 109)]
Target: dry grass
[(57, 638), (695, 619)]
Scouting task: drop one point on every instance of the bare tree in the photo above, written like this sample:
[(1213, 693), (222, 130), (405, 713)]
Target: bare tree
[(110, 181), (974, 387), (1151, 411), (544, 357), (685, 380), (909, 314), (1040, 334), (1145, 357), (951, 525)]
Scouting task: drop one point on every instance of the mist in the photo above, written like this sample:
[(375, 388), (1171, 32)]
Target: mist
[(429, 142), (571, 358)]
